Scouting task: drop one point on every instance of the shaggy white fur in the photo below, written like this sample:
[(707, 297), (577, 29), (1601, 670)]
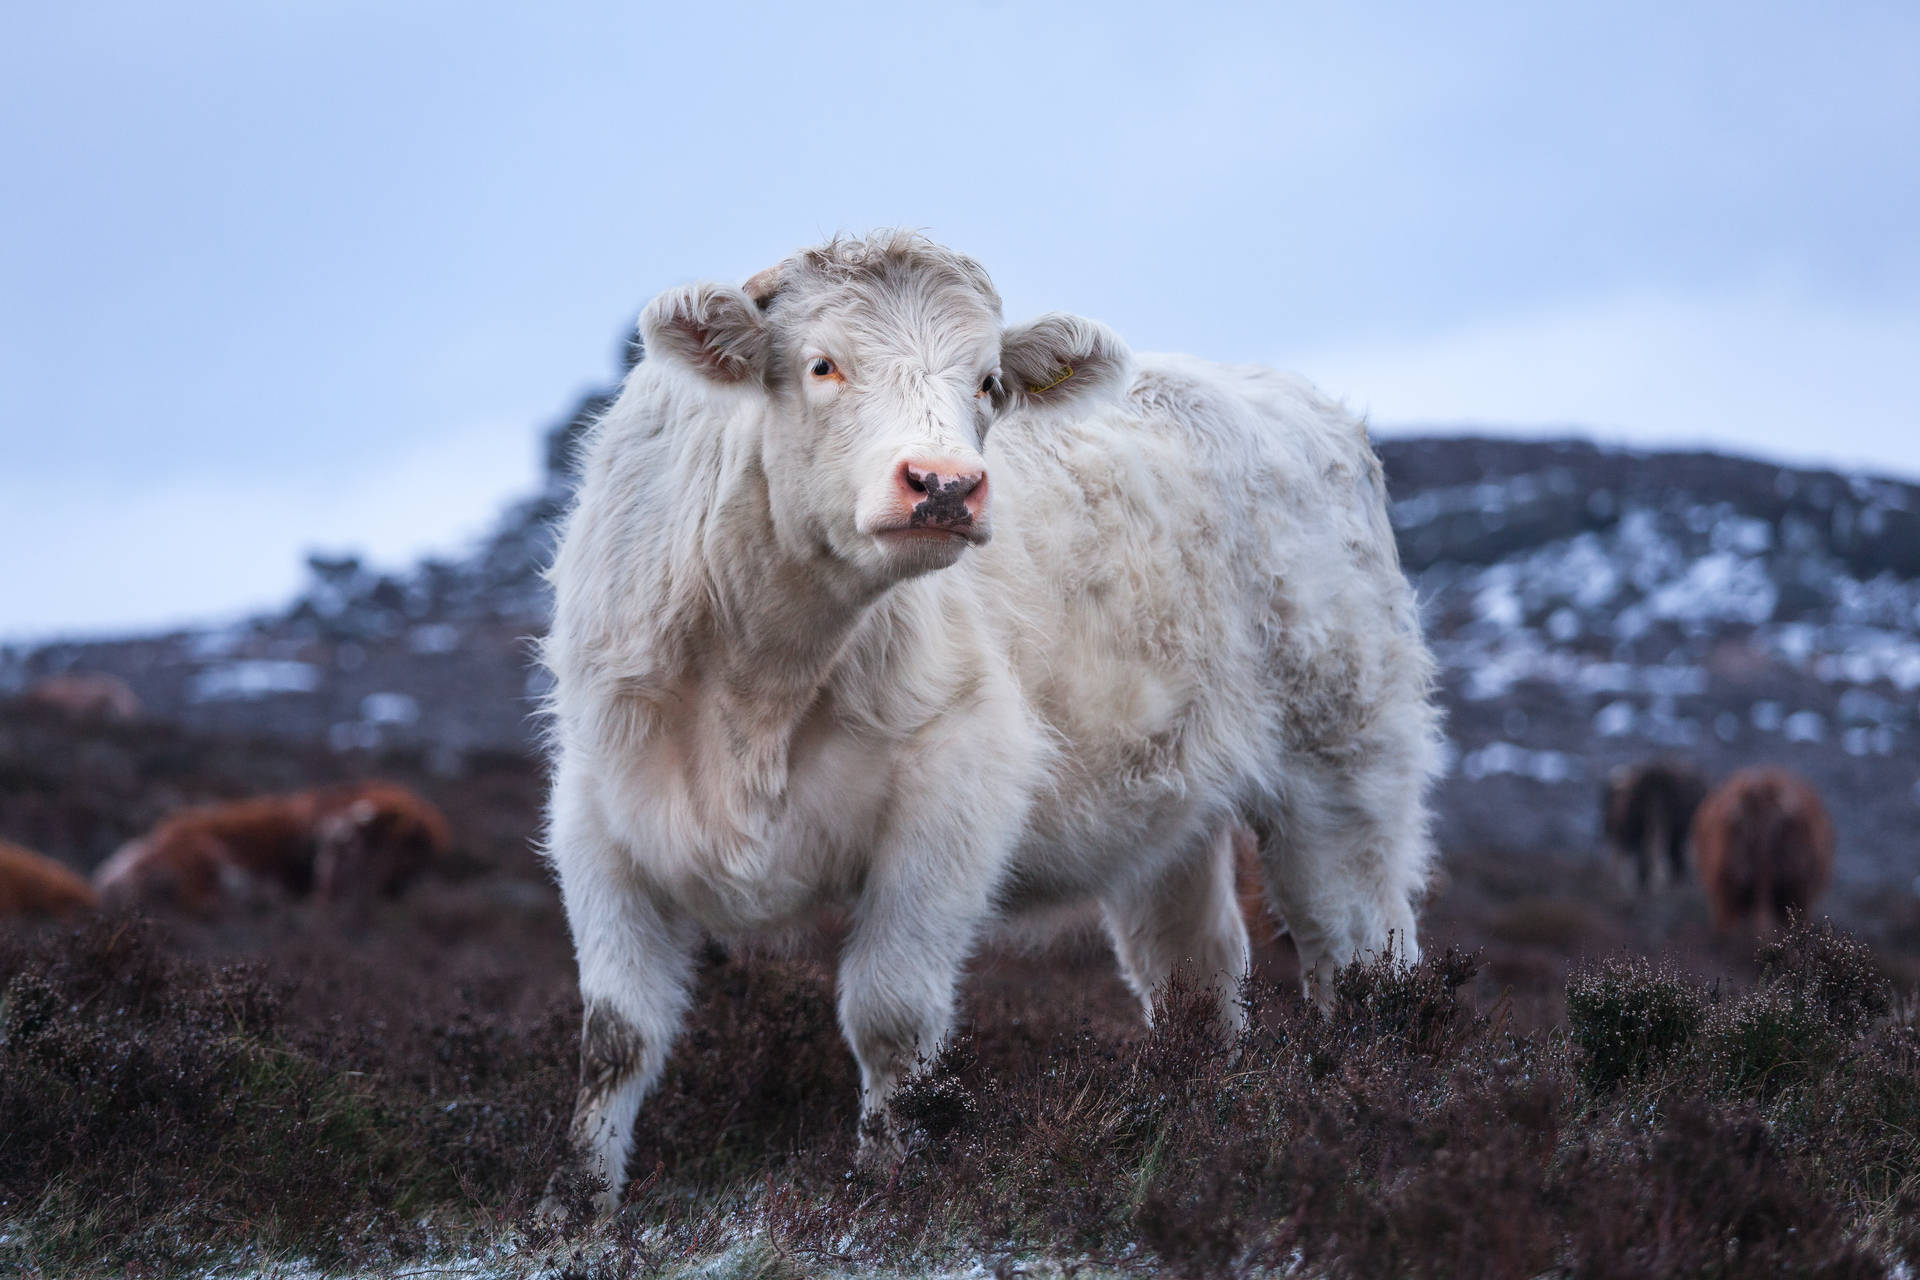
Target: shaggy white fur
[(1173, 607)]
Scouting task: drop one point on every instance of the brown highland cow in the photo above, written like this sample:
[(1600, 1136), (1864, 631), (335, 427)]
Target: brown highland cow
[(1763, 845), (346, 841), (34, 885), (1250, 886)]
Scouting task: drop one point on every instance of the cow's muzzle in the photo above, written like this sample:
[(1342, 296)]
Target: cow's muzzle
[(942, 495)]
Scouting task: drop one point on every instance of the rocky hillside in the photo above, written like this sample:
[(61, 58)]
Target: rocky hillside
[(1594, 606), (1590, 606)]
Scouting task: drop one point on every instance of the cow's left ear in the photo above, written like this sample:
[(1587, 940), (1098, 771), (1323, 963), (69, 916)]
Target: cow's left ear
[(1059, 357), (714, 328)]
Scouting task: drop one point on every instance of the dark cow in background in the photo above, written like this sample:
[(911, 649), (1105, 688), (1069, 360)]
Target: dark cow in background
[(1763, 845), (348, 841), (32, 885), (1647, 812)]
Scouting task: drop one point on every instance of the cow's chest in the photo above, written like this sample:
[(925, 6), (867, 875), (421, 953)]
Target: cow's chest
[(749, 830)]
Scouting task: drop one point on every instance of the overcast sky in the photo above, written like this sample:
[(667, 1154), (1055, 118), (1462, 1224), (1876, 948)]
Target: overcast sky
[(314, 275)]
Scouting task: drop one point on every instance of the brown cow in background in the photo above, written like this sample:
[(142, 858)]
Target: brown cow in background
[(88, 695), (377, 842), (1764, 846), (346, 841), (34, 885), (1648, 812), (1250, 886)]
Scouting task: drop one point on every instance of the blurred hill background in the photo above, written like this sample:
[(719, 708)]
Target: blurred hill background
[(1591, 606)]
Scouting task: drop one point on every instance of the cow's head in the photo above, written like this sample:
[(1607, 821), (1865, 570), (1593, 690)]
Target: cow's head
[(378, 843), (882, 365)]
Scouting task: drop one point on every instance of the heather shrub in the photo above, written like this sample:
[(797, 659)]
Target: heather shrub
[(112, 1056), (156, 1110), (759, 1075), (1708, 1192), (1830, 971), (1379, 998), (1218, 1158), (1629, 1019), (938, 1105), (1767, 1040), (1818, 993)]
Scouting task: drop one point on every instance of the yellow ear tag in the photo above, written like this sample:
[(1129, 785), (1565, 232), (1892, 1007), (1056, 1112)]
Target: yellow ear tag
[(1065, 373)]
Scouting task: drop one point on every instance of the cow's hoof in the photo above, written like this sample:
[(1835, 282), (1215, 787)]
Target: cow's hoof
[(575, 1201), (883, 1148)]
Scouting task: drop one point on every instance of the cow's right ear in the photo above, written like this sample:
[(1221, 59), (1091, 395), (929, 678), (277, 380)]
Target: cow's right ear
[(713, 328)]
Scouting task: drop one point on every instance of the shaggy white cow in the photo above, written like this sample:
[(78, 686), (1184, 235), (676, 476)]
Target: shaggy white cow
[(867, 602)]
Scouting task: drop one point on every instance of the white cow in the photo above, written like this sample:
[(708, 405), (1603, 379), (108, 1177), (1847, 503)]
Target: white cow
[(869, 602)]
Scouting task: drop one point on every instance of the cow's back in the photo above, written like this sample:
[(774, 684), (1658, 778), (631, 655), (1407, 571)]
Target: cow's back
[(1198, 585), (1763, 842), (32, 884)]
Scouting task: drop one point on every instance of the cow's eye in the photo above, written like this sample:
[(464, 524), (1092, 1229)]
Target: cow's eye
[(990, 385), (822, 368)]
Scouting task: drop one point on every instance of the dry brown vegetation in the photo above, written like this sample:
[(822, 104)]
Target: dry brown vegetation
[(383, 1090)]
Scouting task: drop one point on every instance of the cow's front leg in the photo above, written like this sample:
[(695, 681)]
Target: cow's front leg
[(914, 927), (896, 1005), (636, 958)]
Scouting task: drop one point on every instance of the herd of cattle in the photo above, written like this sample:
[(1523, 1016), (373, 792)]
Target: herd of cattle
[(1761, 845), (1761, 842), (342, 843)]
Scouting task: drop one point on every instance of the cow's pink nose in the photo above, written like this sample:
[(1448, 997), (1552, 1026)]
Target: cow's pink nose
[(943, 493)]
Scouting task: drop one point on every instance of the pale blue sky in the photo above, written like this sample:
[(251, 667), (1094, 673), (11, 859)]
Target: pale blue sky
[(314, 274)]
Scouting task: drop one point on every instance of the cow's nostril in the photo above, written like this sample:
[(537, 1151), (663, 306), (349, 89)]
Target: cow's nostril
[(943, 493)]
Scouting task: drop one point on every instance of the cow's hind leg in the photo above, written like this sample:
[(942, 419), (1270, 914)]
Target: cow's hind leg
[(1346, 851), (635, 965), (1186, 917)]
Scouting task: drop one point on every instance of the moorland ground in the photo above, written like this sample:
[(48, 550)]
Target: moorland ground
[(1578, 1083)]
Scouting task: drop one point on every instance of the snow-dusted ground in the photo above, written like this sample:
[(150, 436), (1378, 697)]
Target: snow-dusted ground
[(752, 1253)]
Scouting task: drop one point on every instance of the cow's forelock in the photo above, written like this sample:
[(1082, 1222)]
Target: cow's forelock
[(864, 260)]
